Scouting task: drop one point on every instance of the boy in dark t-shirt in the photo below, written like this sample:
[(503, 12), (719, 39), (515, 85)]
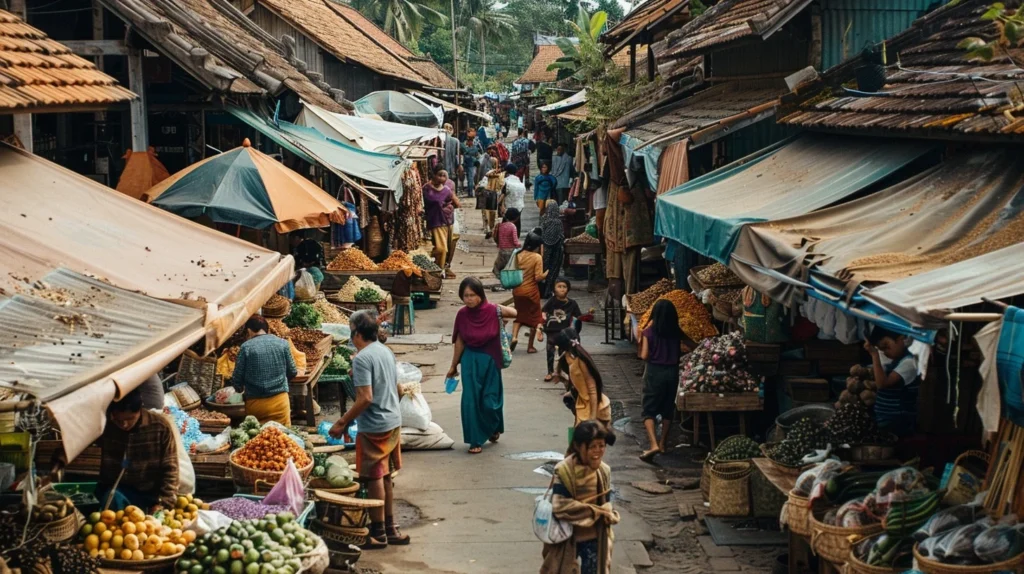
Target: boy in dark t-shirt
[(895, 372), (559, 313)]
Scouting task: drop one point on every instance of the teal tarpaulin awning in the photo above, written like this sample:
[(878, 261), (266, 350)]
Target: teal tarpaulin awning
[(790, 179), (314, 147)]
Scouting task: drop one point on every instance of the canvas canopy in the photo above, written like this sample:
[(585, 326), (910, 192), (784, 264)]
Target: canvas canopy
[(397, 107), (448, 106), (365, 133), (967, 206), (573, 101), (790, 179), (130, 277)]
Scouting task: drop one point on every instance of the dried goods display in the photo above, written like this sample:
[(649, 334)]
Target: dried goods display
[(185, 510), (313, 354), (716, 275), (367, 295), (425, 263), (303, 315), (854, 423), (328, 312), (737, 447), (583, 238), (351, 259), (347, 293), (397, 261), (272, 544), (718, 365), (131, 534), (640, 302), (300, 335), (860, 387), (694, 318), (802, 439), (277, 327), (276, 306), (270, 450)]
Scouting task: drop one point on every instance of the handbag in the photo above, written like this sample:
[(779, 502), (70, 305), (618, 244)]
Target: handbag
[(506, 342), (512, 275), (546, 527)]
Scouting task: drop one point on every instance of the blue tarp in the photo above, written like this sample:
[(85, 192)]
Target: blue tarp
[(790, 179)]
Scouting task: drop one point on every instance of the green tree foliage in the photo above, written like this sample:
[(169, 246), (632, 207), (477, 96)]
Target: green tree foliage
[(483, 20), (403, 19), (1009, 22)]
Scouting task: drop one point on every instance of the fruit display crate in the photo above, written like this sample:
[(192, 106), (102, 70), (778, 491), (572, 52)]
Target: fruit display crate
[(719, 402)]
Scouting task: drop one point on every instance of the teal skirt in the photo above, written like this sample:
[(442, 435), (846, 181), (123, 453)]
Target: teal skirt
[(483, 398)]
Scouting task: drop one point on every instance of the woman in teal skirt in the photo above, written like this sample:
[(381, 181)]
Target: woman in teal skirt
[(477, 341)]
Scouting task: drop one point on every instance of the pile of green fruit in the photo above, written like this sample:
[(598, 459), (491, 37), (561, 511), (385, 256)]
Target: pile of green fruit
[(269, 546), (853, 424), (249, 428), (736, 447), (802, 439), (367, 295)]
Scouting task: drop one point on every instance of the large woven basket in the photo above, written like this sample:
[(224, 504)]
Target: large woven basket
[(339, 536), (705, 478), (161, 564), (796, 514), (833, 542), (730, 488), (855, 565), (322, 485), (247, 477), (930, 566), (64, 529)]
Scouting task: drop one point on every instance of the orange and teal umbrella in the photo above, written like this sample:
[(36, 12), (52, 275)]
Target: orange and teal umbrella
[(246, 187)]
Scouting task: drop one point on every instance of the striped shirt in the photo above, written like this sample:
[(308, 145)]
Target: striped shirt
[(896, 407)]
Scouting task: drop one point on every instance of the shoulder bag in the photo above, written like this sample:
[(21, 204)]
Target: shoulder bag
[(506, 341), (546, 527), (512, 275)]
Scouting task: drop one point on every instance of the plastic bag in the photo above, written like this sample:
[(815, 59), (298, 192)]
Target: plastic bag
[(208, 521), (546, 527), (339, 474), (958, 544), (998, 543), (289, 490), (305, 287), (904, 483), (415, 411), (213, 443), (408, 373), (323, 429), (948, 519), (450, 384), (821, 473), (856, 513), (228, 396)]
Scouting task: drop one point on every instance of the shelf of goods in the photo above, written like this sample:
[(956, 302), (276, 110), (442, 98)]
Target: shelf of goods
[(383, 279)]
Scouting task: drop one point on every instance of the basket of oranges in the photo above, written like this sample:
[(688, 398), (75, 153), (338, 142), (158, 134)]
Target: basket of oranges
[(265, 457), (131, 540)]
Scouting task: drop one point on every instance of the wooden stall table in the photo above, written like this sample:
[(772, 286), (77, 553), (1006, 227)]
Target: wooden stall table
[(710, 403), (302, 389)]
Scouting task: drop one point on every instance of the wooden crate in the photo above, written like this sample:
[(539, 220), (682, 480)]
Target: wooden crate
[(719, 402), (582, 248), (805, 389)]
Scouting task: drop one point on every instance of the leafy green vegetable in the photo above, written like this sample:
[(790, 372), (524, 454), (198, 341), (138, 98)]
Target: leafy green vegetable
[(364, 295), (304, 316)]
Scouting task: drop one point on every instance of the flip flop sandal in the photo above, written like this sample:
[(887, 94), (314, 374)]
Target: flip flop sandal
[(396, 538), (375, 543), (648, 456), (531, 351), (548, 378), (476, 449)]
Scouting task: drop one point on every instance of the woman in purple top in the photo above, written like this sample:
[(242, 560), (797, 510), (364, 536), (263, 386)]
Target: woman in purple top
[(660, 346), (440, 202)]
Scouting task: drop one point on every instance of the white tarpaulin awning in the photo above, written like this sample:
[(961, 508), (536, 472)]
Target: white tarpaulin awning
[(450, 107), (573, 101), (160, 283), (365, 133)]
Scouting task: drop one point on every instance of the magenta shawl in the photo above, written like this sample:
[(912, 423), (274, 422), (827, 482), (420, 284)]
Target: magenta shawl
[(478, 328)]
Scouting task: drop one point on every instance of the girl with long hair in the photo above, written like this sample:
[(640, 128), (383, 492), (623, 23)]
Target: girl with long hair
[(584, 379), (660, 343)]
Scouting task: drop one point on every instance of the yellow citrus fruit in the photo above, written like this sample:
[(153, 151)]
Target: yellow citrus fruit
[(117, 542), (106, 535), (94, 553), (188, 536), (92, 542), (137, 555), (126, 554), (104, 546), (140, 527), (179, 548), (182, 502), (131, 542), (99, 528), (119, 515), (110, 553), (167, 549), (129, 528), (108, 516), (94, 517)]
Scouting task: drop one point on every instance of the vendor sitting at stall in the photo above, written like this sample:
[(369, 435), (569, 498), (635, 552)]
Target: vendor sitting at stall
[(896, 375), (262, 371), (142, 443)]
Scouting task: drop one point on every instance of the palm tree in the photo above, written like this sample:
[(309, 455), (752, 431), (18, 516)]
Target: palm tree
[(577, 57), (403, 19), (484, 19)]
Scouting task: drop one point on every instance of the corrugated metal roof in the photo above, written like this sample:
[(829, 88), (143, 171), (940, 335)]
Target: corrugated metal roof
[(67, 330), (933, 90), (868, 21), (38, 73)]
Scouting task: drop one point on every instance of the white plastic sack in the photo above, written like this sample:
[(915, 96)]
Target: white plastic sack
[(214, 442), (415, 411), (186, 474), (433, 438), (546, 527), (208, 521), (408, 373), (305, 287)]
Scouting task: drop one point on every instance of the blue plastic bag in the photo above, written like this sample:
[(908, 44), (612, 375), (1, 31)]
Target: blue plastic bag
[(450, 384)]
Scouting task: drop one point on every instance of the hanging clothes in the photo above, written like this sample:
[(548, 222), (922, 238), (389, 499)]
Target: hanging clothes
[(348, 232), (409, 221)]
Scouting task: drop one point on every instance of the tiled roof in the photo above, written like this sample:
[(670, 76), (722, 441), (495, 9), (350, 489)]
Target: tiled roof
[(731, 20), (341, 31), (39, 73), (221, 47), (537, 72), (932, 90), (428, 69), (640, 18), (710, 111)]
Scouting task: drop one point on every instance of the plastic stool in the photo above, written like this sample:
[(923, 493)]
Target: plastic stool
[(404, 317)]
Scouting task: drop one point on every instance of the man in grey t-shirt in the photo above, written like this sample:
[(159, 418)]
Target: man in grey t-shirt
[(379, 438)]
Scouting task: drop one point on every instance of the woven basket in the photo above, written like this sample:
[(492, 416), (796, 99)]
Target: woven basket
[(855, 565), (322, 485), (221, 450), (339, 536), (705, 478), (783, 468), (231, 411), (64, 529), (162, 564), (730, 489), (796, 514), (833, 542), (767, 501), (247, 477), (316, 561), (930, 566)]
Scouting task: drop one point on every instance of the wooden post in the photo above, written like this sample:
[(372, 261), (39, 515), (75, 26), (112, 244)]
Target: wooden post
[(137, 84), (632, 63), (22, 122), (651, 68)]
